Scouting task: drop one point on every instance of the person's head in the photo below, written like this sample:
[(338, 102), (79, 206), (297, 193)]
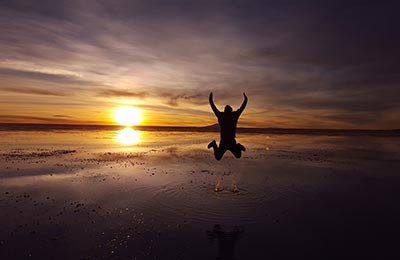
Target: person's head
[(228, 109)]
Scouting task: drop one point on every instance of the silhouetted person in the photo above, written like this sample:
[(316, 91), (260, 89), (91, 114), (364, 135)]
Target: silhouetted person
[(226, 241), (227, 121)]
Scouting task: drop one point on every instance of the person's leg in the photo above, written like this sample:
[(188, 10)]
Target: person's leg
[(212, 144), (236, 150), (241, 147), (219, 152)]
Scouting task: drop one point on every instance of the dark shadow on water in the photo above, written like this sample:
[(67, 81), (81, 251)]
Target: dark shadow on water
[(227, 240)]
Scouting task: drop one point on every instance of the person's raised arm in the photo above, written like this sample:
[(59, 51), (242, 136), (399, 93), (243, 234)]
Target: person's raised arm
[(214, 108), (242, 107)]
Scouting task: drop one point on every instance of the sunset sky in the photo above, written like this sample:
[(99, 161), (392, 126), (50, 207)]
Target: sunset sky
[(311, 64)]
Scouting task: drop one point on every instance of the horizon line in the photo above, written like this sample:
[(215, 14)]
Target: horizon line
[(210, 127)]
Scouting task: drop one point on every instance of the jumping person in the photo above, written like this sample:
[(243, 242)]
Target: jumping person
[(227, 121)]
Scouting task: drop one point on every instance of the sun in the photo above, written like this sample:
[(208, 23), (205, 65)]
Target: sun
[(128, 116)]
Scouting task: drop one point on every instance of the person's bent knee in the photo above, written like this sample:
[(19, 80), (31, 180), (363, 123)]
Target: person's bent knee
[(237, 153)]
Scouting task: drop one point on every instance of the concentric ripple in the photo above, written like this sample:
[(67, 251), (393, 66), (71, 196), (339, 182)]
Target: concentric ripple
[(201, 204)]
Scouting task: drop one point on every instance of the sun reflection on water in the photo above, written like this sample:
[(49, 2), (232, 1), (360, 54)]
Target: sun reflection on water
[(128, 136)]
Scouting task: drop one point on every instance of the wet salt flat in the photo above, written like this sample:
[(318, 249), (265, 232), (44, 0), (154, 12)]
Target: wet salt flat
[(131, 194)]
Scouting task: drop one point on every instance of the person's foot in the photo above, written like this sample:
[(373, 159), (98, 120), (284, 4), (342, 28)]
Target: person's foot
[(211, 144), (242, 147)]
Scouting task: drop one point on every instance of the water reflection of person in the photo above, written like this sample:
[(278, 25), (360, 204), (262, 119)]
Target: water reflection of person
[(226, 241), (227, 121)]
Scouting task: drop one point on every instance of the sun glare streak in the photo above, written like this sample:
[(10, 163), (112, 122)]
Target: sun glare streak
[(128, 116), (128, 136)]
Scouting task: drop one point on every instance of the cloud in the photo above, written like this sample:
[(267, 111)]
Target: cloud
[(121, 93), (33, 118), (171, 97), (357, 119), (304, 56), (193, 98), (32, 91), (62, 116), (49, 77)]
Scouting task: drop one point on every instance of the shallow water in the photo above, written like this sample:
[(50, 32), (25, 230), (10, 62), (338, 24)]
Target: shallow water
[(161, 195)]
